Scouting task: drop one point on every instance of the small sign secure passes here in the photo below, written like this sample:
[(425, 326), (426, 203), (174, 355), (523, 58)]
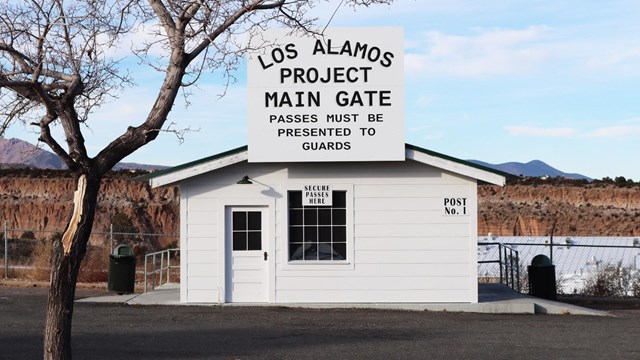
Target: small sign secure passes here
[(317, 195)]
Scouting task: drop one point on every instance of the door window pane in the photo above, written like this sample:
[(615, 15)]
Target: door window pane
[(254, 220), (239, 220), (239, 241), (254, 239)]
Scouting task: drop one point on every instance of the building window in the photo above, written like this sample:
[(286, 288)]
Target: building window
[(317, 232), (247, 230)]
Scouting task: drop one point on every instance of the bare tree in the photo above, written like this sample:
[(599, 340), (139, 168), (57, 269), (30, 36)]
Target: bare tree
[(56, 68)]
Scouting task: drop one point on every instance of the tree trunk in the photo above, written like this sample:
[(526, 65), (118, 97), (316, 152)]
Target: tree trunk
[(66, 257)]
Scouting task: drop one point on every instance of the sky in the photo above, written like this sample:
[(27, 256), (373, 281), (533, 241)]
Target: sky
[(497, 81)]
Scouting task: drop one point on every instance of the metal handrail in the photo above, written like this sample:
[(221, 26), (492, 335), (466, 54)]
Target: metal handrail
[(509, 264), (157, 272)]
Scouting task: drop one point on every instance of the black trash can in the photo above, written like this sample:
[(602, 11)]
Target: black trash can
[(542, 278), (122, 270)]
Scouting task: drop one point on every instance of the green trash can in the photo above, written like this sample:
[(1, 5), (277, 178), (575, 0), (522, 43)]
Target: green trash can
[(122, 270), (542, 278)]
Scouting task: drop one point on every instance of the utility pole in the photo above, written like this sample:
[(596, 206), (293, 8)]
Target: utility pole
[(553, 229), (6, 250)]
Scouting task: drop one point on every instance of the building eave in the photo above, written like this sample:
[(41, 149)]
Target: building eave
[(455, 165), (234, 156)]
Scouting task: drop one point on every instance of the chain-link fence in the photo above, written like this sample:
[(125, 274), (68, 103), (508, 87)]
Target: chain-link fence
[(589, 265), (25, 253)]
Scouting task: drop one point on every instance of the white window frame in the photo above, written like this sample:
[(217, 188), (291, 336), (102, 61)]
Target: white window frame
[(304, 265)]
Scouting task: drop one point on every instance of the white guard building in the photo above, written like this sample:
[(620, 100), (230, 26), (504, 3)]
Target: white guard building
[(341, 232)]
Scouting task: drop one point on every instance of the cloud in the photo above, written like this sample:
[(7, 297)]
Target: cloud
[(135, 39), (615, 131), (541, 132), (497, 51), (621, 60), (629, 128)]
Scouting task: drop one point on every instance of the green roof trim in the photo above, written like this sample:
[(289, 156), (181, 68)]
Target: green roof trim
[(459, 161), (245, 148), (192, 163)]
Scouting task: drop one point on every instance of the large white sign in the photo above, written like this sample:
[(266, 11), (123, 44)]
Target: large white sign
[(337, 97)]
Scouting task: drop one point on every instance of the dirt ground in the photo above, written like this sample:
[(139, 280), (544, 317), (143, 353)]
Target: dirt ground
[(613, 305)]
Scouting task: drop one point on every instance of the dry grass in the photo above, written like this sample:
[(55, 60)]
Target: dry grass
[(94, 265), (93, 268), (40, 263)]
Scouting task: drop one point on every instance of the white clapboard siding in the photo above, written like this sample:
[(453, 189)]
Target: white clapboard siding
[(202, 257), (264, 173), (412, 257), (391, 204), (409, 191), (393, 270), (411, 230), (201, 204), (404, 248), (202, 243), (201, 282), (203, 217), (407, 217), (202, 230), (371, 296), (199, 270), (203, 296), (407, 172), (412, 243), (375, 283)]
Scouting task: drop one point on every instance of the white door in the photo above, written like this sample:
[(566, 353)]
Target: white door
[(246, 254)]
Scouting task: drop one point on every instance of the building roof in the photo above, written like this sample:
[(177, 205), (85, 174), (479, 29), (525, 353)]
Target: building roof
[(412, 152)]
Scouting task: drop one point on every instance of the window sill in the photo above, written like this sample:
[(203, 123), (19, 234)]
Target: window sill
[(317, 265)]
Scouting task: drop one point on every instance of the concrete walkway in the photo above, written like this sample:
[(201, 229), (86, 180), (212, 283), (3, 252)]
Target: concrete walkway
[(493, 298)]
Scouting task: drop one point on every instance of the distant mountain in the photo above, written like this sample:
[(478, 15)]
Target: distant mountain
[(534, 168), (16, 153)]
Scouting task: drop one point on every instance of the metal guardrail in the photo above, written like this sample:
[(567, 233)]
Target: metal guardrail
[(509, 263), (160, 262), (589, 265)]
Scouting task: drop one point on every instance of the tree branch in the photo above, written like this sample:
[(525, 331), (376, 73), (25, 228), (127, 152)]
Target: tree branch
[(233, 18), (165, 18), (45, 137), (273, 5)]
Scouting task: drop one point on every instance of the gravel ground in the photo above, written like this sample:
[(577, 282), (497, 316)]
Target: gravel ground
[(192, 332)]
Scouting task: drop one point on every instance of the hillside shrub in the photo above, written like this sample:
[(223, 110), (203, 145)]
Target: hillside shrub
[(93, 268), (95, 265), (608, 281), (41, 259)]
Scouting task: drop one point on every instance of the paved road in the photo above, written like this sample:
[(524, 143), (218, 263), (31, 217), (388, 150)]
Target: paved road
[(190, 332)]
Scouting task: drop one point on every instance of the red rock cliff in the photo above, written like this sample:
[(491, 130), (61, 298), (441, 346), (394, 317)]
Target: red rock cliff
[(45, 203), (588, 210)]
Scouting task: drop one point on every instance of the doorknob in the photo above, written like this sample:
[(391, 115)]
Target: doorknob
[(265, 256)]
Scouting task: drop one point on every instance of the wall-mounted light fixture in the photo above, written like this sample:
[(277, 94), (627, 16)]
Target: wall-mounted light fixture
[(244, 181)]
